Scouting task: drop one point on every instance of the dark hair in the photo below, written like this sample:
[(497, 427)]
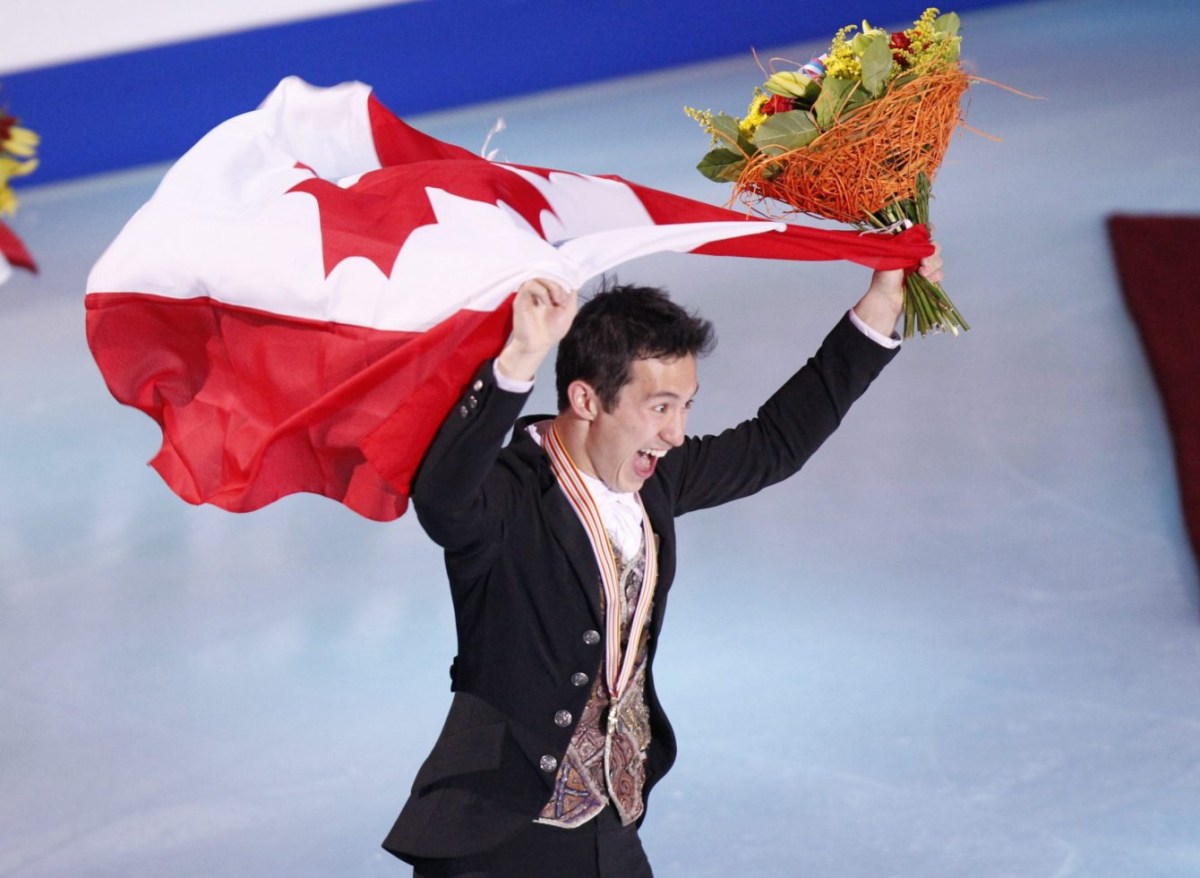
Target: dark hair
[(620, 324)]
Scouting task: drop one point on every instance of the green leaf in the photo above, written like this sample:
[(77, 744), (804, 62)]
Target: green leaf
[(834, 94), (792, 84), (945, 27), (858, 99), (785, 131), (876, 65), (947, 24), (722, 165), (727, 130)]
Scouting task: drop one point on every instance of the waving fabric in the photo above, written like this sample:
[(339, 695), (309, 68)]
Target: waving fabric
[(306, 293)]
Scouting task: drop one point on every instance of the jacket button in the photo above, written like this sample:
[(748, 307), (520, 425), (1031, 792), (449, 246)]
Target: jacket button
[(591, 637), (472, 401), (478, 385), (547, 763), (579, 678), (463, 411), (562, 719)]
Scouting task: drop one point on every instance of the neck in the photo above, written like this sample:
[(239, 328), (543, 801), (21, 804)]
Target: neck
[(573, 432)]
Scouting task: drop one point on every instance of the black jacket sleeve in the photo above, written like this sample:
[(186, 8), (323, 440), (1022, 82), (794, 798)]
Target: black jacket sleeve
[(788, 429), (449, 488)]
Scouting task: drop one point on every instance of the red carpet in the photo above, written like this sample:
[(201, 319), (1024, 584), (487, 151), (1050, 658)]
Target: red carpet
[(1158, 262)]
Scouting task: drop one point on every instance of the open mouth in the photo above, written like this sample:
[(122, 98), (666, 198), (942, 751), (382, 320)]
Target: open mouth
[(646, 460)]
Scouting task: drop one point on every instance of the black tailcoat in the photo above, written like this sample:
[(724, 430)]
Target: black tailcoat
[(526, 587)]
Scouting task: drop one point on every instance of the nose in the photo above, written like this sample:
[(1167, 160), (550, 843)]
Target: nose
[(673, 433)]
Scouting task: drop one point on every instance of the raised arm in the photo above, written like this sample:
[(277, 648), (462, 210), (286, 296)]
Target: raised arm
[(542, 313), (450, 492), (798, 418)]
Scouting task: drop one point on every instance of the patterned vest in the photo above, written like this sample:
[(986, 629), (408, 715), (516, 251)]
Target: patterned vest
[(601, 768)]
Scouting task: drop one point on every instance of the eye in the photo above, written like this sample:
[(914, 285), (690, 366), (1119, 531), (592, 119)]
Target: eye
[(661, 408)]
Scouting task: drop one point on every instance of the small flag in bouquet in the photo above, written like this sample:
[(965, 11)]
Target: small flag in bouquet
[(856, 136)]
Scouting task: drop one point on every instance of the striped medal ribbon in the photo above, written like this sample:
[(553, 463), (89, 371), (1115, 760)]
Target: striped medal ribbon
[(580, 497)]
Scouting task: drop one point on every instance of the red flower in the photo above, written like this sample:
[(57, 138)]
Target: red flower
[(900, 45), (778, 104)]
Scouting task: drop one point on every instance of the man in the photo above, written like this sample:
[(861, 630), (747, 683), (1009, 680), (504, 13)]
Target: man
[(560, 550)]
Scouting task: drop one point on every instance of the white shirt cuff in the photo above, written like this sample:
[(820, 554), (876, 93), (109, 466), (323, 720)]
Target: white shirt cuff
[(892, 341), (512, 385)]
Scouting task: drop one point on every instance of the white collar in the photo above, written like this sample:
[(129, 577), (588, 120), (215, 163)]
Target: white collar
[(619, 510)]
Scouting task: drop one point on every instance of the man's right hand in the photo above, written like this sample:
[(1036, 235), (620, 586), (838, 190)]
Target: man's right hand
[(542, 313)]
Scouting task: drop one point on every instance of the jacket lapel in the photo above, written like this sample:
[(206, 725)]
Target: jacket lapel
[(560, 518), (564, 523)]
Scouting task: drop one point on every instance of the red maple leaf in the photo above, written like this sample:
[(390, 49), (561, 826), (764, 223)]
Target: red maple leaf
[(374, 217)]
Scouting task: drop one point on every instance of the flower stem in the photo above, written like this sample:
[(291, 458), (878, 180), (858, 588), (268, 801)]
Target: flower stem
[(927, 307)]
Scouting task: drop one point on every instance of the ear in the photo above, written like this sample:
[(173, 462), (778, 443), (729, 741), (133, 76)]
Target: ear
[(582, 400)]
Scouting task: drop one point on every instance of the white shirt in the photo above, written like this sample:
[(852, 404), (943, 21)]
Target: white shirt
[(620, 511)]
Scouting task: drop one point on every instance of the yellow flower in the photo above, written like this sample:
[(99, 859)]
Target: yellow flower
[(931, 45), (843, 66), (704, 117), (18, 141), (8, 201), (17, 148), (842, 63), (754, 114), (10, 167)]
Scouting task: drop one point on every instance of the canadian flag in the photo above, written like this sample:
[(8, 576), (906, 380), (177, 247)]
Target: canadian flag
[(307, 292)]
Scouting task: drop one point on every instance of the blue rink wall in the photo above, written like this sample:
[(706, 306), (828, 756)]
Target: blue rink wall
[(150, 105)]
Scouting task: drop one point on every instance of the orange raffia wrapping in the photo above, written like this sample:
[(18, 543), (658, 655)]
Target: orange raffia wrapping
[(870, 158)]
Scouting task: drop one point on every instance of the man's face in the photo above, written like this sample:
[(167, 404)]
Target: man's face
[(623, 445)]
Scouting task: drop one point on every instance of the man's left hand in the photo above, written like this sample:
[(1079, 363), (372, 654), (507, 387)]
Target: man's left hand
[(883, 302)]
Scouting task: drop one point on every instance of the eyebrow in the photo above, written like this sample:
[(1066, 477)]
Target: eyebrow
[(671, 394)]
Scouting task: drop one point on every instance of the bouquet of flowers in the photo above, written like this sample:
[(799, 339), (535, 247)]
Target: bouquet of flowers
[(17, 148), (856, 136)]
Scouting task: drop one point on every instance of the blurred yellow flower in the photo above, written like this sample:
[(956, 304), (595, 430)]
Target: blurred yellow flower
[(18, 141), (17, 158)]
